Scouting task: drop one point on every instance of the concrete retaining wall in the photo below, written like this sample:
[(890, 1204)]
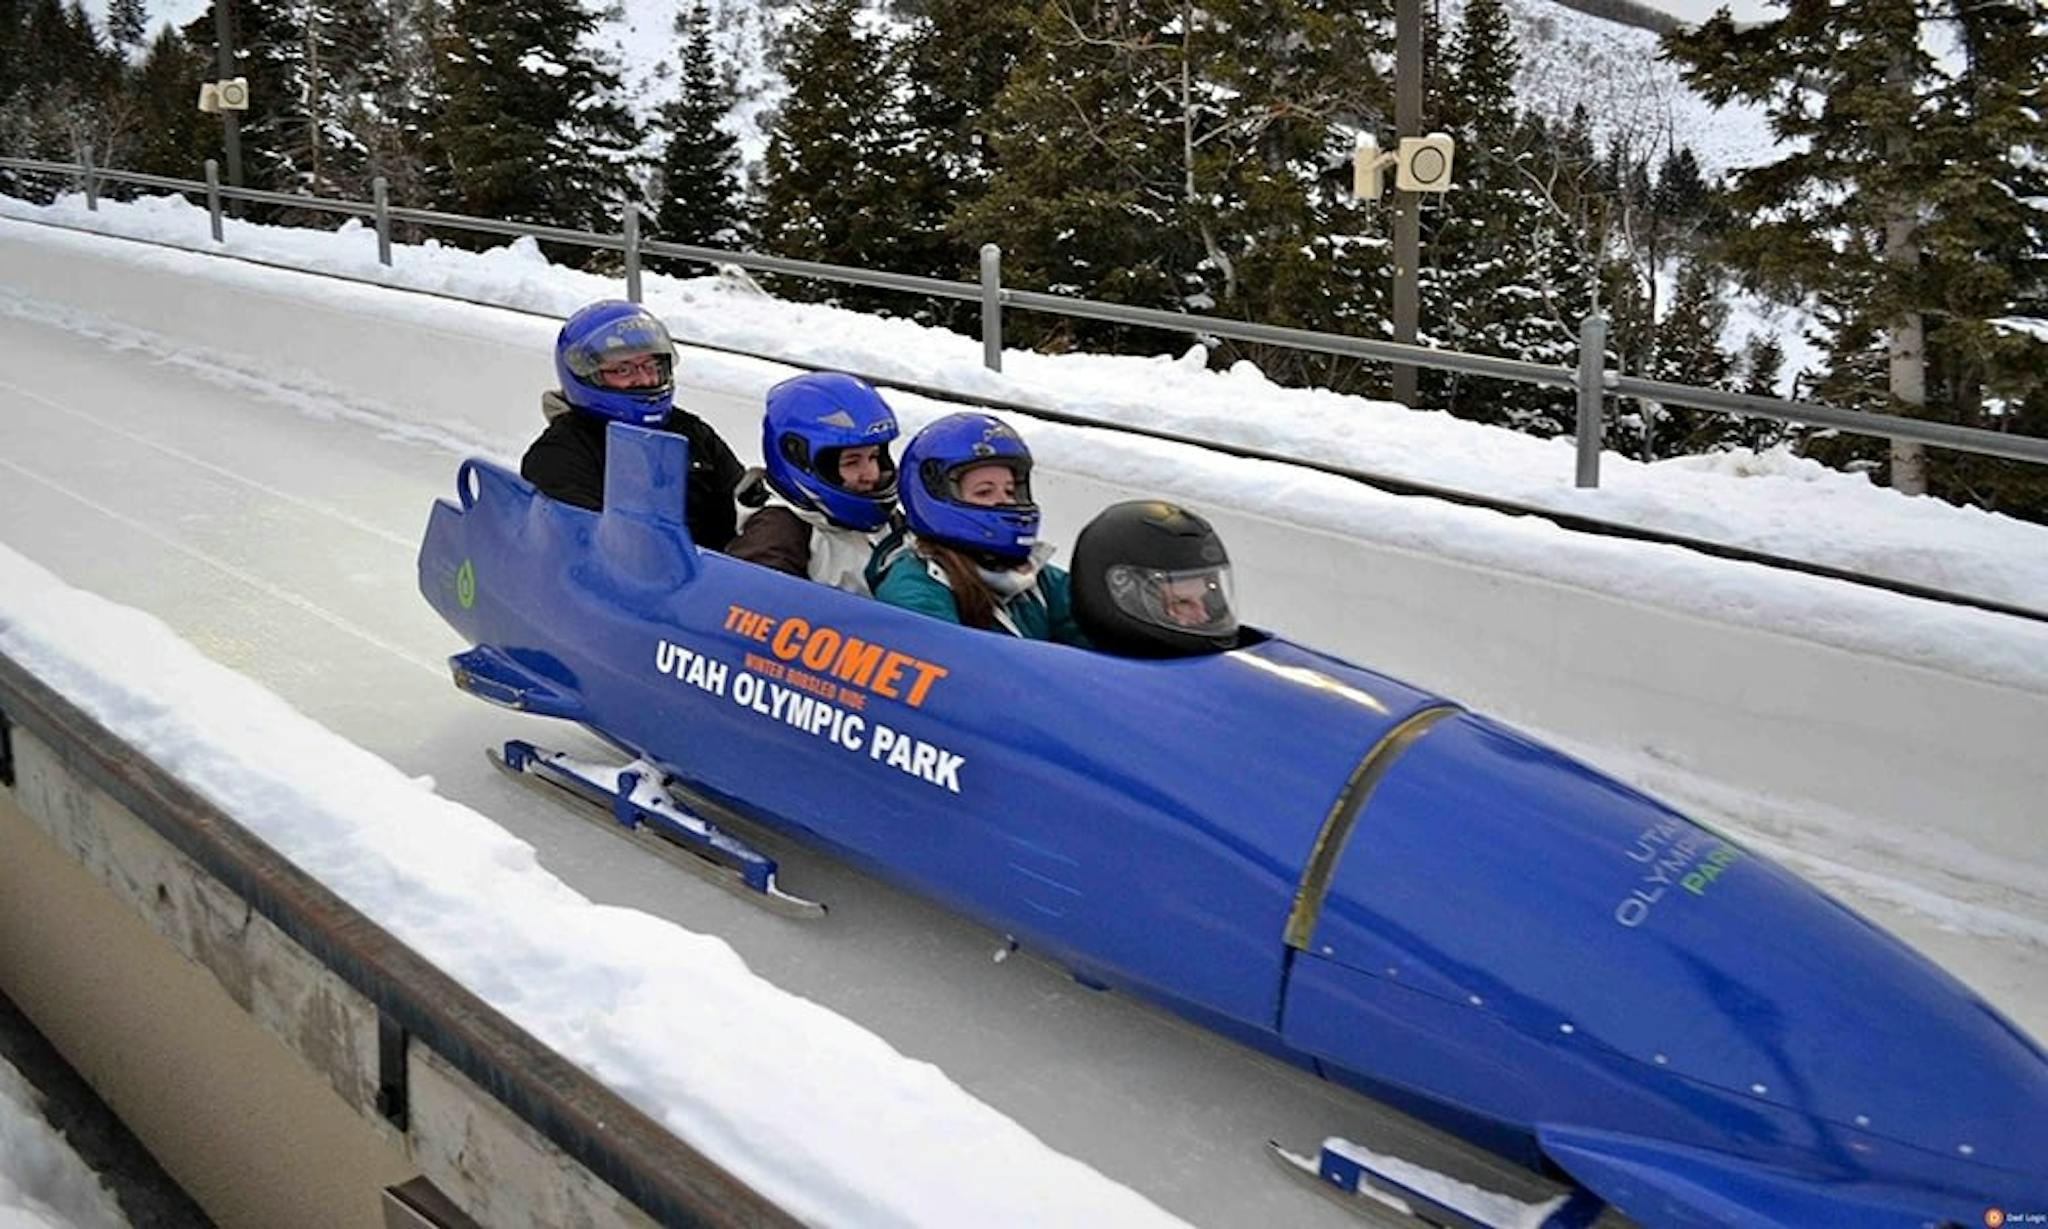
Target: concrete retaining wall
[(245, 1065)]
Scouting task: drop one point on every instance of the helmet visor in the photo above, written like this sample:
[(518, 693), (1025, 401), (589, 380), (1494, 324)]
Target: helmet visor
[(990, 482), (631, 353), (866, 473), (1198, 601)]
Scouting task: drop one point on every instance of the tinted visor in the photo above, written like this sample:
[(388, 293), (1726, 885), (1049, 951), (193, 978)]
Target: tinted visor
[(1197, 601), (630, 342)]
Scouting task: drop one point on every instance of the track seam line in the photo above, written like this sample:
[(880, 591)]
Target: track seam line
[(309, 505), (255, 582)]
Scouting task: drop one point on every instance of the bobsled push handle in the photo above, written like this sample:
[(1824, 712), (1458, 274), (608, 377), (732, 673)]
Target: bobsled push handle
[(645, 472), (641, 533), (466, 484)]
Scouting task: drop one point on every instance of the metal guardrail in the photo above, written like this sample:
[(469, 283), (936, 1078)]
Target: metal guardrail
[(1592, 382), (1812, 413)]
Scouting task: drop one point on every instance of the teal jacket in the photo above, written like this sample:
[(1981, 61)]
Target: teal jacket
[(1045, 611)]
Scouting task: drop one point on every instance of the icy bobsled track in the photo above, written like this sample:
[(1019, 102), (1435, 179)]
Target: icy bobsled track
[(276, 531), (198, 503)]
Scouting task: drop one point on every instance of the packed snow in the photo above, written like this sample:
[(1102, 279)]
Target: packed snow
[(43, 1184)]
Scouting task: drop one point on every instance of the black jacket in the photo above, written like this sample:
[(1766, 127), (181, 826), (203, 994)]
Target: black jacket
[(567, 463)]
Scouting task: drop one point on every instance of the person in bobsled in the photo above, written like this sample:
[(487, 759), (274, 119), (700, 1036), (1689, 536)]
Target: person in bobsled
[(615, 363), (974, 556), (825, 496), (1151, 579)]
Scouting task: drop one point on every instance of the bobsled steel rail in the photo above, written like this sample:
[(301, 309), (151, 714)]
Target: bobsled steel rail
[(668, 1180)]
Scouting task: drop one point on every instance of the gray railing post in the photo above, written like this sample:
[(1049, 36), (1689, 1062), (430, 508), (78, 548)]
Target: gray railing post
[(213, 195), (380, 194), (991, 307), (1592, 396), (92, 189), (632, 253)]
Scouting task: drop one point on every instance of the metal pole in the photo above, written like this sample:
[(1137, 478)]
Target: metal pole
[(380, 193), (1407, 205), (633, 253), (231, 123), (213, 195), (1592, 396), (992, 307), (92, 191)]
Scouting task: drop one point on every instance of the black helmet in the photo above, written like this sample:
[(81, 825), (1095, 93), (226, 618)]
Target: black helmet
[(1151, 579)]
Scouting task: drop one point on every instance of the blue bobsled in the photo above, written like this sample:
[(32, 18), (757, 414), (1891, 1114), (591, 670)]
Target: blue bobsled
[(1297, 852)]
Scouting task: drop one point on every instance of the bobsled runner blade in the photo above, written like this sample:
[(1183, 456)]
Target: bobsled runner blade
[(634, 802), (1391, 1191)]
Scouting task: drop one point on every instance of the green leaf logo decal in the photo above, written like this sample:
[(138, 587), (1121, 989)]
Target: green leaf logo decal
[(465, 585)]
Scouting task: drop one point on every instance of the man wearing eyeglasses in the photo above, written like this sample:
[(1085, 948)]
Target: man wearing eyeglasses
[(615, 362)]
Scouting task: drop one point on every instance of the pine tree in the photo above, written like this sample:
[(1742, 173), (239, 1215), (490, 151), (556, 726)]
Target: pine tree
[(835, 167), (1088, 192), (389, 114), (1628, 300), (127, 23), (1688, 351), (178, 137), (1269, 90), (92, 67), (345, 61), (13, 72), (1681, 197), (331, 104), (528, 126), (956, 60), (1888, 204), (1504, 274), (700, 165), (1763, 365), (269, 42), (1171, 155), (1853, 374), (58, 104), (50, 51), (1988, 257)]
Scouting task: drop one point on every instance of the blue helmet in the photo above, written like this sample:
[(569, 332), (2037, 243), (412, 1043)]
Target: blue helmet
[(933, 464), (810, 420), (607, 332)]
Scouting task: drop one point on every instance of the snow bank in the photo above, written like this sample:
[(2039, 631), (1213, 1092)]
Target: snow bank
[(815, 1112), (43, 1184)]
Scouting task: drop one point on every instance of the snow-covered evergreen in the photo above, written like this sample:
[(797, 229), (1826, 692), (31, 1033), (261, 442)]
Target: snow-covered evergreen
[(700, 186)]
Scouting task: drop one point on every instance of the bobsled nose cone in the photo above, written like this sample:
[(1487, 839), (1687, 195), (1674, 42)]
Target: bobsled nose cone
[(1881, 1186)]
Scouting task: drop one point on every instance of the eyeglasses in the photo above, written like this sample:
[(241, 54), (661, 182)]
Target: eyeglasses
[(646, 366)]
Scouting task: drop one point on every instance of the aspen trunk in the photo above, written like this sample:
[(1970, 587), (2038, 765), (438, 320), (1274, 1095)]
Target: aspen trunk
[(1906, 336)]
